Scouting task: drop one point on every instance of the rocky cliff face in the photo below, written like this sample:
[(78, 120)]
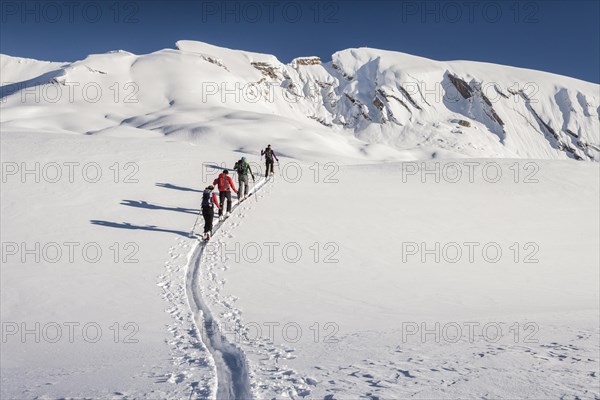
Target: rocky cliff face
[(389, 97)]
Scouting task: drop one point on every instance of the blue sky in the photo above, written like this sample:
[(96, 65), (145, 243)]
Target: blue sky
[(556, 36)]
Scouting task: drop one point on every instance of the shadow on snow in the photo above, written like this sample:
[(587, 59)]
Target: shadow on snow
[(127, 225), (175, 187), (149, 206)]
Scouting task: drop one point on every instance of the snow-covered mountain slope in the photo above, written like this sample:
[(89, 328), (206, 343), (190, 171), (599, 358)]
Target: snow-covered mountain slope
[(104, 161), (349, 298), (391, 100), (15, 69)]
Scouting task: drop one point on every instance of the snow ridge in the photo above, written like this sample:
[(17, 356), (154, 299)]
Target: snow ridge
[(362, 97)]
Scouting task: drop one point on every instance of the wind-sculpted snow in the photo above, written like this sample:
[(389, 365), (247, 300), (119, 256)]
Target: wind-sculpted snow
[(397, 102)]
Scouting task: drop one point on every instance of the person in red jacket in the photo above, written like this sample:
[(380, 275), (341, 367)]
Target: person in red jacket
[(225, 185)]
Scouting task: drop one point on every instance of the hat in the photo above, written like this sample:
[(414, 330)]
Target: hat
[(210, 187), (225, 171), (243, 158)]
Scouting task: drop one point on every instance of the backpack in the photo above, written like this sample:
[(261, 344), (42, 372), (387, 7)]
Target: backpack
[(207, 199), (223, 183), (269, 154), (241, 168)]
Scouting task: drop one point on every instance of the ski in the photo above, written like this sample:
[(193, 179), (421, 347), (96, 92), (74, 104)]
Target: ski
[(244, 198)]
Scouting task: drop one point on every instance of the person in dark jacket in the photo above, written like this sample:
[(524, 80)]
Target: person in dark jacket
[(225, 185), (209, 200), (270, 158), (243, 169)]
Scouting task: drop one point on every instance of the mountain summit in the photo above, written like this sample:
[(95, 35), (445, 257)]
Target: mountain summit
[(396, 105)]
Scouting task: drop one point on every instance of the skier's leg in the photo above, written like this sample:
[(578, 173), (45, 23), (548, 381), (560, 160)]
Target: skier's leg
[(208, 214), (221, 200), (245, 185), (240, 187), (228, 194)]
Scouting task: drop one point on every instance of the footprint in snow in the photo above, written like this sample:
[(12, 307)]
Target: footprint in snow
[(176, 378)]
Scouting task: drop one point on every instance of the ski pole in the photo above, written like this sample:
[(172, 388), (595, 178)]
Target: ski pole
[(195, 223)]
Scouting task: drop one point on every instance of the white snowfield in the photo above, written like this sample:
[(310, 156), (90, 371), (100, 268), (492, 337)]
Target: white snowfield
[(431, 231)]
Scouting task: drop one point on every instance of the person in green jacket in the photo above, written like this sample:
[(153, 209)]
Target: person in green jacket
[(243, 169)]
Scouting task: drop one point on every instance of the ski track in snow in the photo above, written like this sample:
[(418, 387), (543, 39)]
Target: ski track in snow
[(268, 374), (256, 368), (198, 331)]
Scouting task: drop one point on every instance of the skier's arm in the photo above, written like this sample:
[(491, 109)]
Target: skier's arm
[(231, 184), (250, 170), (274, 155), (215, 200), (262, 153), (216, 182)]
